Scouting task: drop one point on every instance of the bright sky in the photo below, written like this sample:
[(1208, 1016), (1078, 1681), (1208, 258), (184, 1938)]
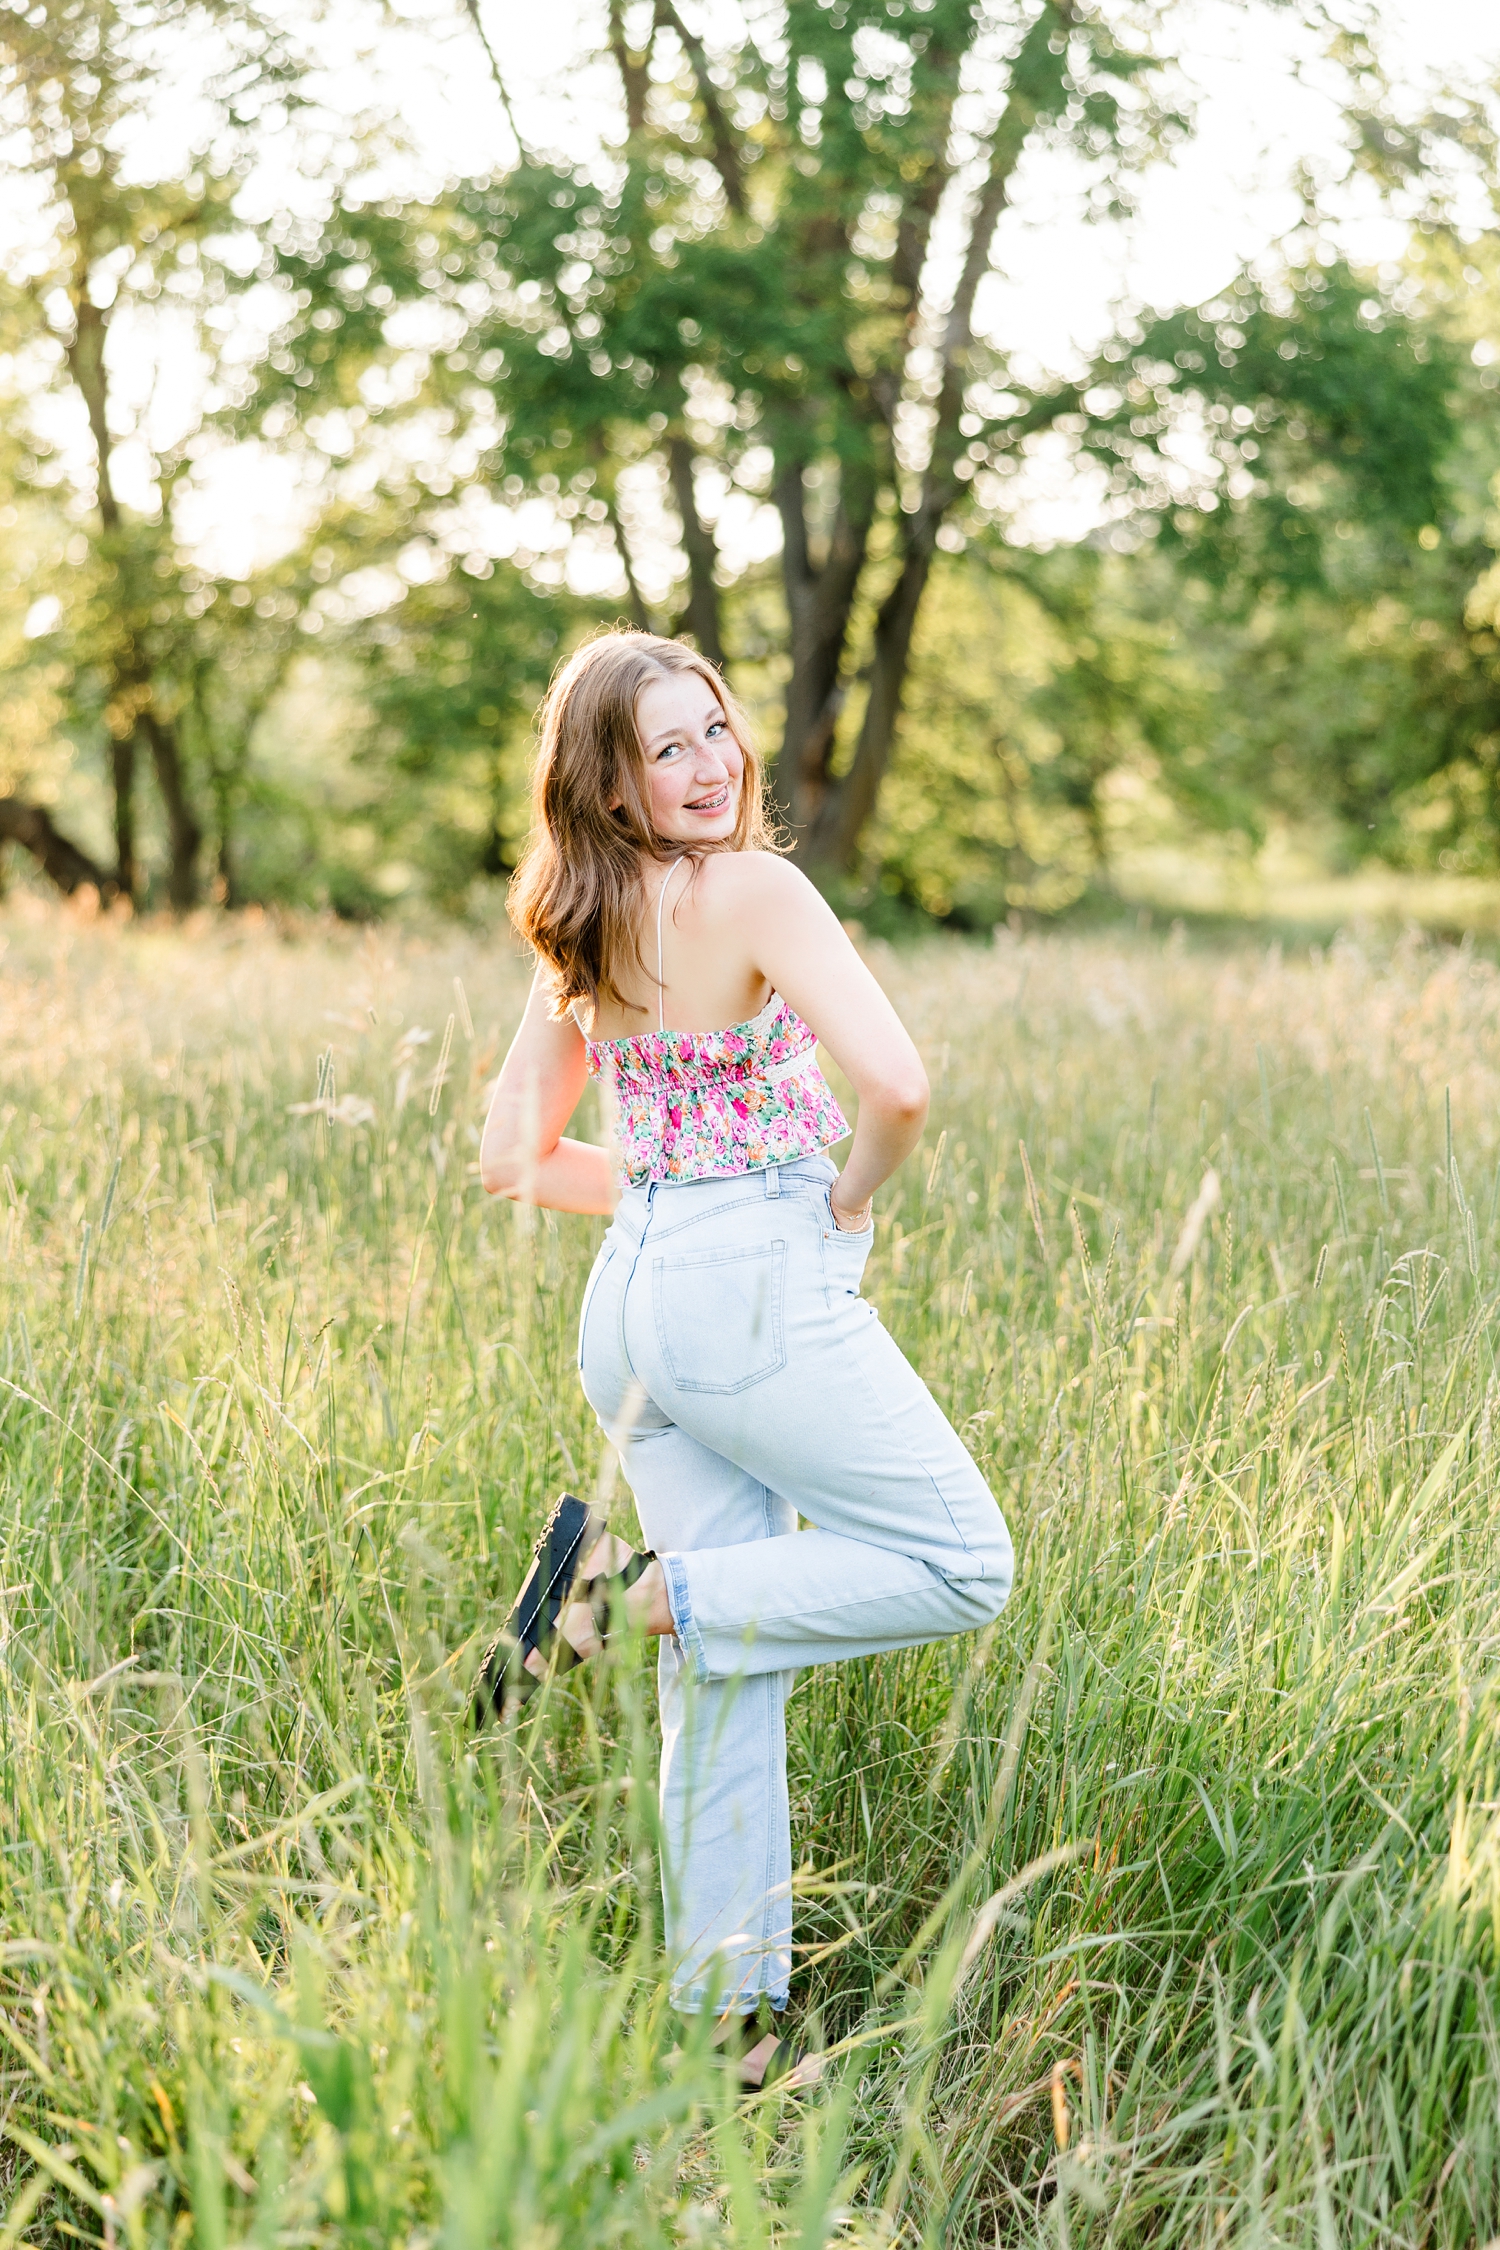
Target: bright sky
[(1265, 102)]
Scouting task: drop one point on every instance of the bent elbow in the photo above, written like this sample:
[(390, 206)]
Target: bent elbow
[(505, 1173), (904, 1098)]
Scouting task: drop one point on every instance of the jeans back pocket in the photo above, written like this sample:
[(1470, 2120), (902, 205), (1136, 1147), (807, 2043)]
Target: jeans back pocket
[(721, 1316)]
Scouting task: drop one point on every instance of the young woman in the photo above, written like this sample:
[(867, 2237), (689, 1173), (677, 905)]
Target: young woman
[(723, 1341)]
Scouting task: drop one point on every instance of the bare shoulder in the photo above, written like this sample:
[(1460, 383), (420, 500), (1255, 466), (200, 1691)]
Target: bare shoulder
[(733, 884)]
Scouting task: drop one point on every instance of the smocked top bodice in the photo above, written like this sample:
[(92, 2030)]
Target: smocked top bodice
[(704, 1105)]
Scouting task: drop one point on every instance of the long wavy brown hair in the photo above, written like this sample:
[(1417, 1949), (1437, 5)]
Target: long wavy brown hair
[(577, 893)]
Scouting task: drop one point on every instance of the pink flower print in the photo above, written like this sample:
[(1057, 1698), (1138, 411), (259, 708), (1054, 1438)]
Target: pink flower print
[(698, 1107)]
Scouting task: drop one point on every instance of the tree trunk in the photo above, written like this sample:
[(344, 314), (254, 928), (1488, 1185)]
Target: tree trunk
[(86, 366), (32, 827), (833, 839), (1037, 89), (183, 831), (701, 617), (122, 773), (1098, 832), (225, 891), (819, 603)]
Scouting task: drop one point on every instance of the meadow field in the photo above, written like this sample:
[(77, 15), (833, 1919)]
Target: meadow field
[(1168, 1911)]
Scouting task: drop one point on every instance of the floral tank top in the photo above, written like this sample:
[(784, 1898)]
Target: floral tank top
[(705, 1105)]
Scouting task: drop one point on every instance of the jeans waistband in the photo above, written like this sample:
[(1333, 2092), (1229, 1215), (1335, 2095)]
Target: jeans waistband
[(806, 1176)]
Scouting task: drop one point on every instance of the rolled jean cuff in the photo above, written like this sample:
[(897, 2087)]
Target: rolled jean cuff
[(680, 1602), (692, 1999)]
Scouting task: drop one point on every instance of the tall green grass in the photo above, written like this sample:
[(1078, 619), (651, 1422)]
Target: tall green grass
[(1167, 1910)]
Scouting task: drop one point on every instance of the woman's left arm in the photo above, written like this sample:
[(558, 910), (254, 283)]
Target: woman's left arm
[(522, 1154), (802, 950)]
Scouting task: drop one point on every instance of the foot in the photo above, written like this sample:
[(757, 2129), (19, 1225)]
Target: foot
[(646, 1605), (753, 2064)]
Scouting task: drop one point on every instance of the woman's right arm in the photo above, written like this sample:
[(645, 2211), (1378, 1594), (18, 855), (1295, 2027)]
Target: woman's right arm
[(522, 1154)]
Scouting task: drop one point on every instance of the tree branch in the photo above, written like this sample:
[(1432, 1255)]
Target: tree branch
[(702, 618), (639, 612), (725, 153), (635, 77), (498, 76), (1037, 90), (34, 830), (919, 206)]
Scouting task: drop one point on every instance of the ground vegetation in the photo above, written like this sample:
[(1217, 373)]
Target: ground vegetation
[(1167, 1910)]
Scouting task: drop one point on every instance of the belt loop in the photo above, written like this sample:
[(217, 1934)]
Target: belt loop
[(773, 1180)]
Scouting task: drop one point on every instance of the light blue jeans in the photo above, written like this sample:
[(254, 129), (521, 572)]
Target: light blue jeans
[(727, 1352)]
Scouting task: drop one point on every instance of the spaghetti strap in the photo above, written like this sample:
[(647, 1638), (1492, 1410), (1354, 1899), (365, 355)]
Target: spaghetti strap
[(661, 982)]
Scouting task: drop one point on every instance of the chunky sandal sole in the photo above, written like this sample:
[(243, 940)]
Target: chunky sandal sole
[(504, 1682), (552, 1582)]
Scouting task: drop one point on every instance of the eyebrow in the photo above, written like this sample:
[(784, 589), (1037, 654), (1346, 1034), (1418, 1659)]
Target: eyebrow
[(665, 734)]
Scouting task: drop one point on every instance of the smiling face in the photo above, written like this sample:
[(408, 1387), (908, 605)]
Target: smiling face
[(694, 766)]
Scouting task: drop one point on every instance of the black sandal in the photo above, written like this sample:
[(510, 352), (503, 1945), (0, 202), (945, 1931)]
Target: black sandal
[(785, 2058), (783, 2062), (603, 1593), (570, 1530)]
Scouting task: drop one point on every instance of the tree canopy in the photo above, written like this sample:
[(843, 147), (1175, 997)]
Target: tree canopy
[(559, 392)]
